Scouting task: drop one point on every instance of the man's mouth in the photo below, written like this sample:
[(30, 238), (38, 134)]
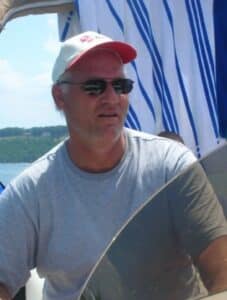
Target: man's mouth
[(108, 115)]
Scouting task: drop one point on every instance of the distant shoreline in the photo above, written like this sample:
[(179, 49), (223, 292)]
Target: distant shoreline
[(19, 145)]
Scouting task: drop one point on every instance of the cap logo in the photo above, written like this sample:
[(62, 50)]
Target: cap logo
[(86, 38)]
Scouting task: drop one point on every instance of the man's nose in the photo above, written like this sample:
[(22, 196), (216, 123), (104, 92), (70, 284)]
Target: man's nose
[(110, 95)]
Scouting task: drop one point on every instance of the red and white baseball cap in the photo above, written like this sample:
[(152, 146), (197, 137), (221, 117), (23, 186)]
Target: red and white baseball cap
[(73, 49)]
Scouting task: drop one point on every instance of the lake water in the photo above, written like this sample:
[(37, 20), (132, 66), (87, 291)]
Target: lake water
[(9, 170)]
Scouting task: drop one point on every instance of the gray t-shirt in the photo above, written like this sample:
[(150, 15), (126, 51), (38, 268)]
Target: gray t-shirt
[(59, 219)]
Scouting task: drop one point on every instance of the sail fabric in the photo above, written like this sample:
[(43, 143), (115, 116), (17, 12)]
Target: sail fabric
[(174, 74)]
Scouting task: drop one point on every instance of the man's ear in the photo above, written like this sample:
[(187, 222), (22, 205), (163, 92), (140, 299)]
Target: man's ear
[(58, 96)]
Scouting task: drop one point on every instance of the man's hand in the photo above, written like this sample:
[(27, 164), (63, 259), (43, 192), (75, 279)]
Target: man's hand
[(212, 263), (4, 294)]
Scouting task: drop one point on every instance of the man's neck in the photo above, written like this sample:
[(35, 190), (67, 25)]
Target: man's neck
[(99, 158)]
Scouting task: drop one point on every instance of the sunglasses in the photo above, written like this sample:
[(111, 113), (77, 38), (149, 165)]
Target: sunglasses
[(95, 87)]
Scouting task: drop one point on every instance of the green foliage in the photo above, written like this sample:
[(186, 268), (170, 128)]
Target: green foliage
[(26, 145), (54, 131)]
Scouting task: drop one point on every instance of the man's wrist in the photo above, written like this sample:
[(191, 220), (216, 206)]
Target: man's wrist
[(4, 293)]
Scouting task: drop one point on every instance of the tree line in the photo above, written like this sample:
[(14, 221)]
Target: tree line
[(53, 131), (26, 145)]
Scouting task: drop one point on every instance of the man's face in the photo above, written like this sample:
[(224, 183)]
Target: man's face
[(93, 118)]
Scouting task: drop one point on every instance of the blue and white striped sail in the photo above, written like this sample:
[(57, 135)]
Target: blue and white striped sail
[(174, 74)]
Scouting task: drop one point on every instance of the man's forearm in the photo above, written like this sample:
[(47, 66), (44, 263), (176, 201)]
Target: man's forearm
[(4, 293), (213, 265)]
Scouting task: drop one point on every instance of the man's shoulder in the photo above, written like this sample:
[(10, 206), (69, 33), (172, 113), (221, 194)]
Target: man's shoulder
[(169, 153), (154, 141), (51, 155), (135, 134), (42, 167)]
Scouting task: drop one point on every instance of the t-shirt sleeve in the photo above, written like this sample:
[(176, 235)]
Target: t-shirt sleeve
[(176, 159), (197, 215), (17, 241)]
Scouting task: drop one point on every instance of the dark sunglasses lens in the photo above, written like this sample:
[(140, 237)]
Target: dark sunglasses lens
[(122, 86), (94, 87)]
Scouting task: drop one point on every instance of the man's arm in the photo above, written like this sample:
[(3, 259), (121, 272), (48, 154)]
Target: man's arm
[(4, 293), (201, 226), (212, 264)]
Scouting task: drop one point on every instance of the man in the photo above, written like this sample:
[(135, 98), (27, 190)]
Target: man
[(61, 213)]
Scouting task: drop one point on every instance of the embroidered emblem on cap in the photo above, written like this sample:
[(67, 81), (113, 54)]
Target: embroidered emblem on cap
[(86, 38), (89, 38)]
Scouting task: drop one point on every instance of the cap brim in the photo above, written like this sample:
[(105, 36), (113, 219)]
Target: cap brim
[(125, 51)]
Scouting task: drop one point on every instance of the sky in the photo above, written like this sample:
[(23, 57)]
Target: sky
[(28, 47)]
